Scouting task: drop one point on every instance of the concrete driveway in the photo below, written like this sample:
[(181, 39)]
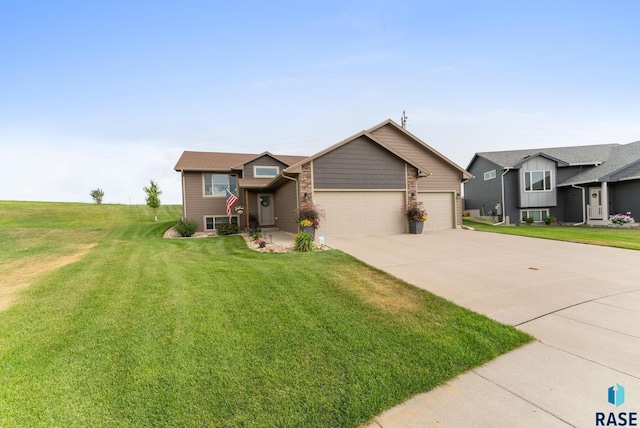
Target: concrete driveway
[(581, 302)]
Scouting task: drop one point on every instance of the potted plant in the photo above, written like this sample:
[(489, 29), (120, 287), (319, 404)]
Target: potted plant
[(309, 215), (417, 216), (239, 209)]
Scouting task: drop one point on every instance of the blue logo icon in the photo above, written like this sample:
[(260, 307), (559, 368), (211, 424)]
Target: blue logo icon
[(616, 395)]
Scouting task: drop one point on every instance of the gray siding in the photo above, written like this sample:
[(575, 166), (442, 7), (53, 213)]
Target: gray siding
[(570, 205), (265, 160), (543, 199), (625, 197), (285, 197), (360, 164), (480, 194), (512, 195)]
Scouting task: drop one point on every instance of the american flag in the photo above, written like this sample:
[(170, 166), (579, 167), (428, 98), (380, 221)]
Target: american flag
[(231, 199)]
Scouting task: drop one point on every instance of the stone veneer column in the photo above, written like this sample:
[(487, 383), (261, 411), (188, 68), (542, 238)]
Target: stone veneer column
[(305, 182), (412, 182)]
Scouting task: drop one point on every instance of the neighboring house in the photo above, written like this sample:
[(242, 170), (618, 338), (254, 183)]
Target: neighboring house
[(363, 183), (582, 184)]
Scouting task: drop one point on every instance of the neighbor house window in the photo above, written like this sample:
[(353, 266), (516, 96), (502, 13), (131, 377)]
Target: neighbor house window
[(537, 181), (210, 223), (537, 215), (489, 175), (217, 184), (265, 171)]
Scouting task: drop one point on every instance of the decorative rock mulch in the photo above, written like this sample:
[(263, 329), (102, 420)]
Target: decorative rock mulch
[(254, 245)]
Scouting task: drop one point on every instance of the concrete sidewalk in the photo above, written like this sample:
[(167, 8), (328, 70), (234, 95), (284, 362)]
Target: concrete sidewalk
[(581, 302)]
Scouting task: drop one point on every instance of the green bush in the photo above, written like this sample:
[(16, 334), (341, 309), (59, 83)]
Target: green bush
[(227, 229), (187, 227), (303, 242)]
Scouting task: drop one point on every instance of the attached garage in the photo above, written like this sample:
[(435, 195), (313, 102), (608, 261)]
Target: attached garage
[(440, 207), (360, 213)]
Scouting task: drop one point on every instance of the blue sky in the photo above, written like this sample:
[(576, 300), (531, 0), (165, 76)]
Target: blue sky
[(109, 94)]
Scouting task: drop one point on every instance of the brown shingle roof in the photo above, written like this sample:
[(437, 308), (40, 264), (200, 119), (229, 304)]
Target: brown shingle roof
[(218, 161)]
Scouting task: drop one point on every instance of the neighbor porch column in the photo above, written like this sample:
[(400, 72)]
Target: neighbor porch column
[(605, 201)]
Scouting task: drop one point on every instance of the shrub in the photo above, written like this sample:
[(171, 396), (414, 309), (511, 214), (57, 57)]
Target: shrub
[(254, 234), (303, 242), (186, 228), (227, 229), (621, 219), (550, 220), (253, 221), (528, 220)]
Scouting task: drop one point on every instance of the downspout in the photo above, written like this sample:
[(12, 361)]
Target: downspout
[(584, 207), (504, 208), (184, 200)]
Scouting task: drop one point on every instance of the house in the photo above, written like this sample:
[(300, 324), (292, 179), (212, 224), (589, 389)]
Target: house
[(363, 184), (583, 184)]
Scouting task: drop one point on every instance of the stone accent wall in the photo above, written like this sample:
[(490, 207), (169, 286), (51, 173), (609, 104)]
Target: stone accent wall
[(412, 182), (305, 182)]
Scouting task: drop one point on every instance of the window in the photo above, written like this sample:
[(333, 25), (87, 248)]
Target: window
[(210, 223), (265, 171), (537, 181), (537, 215), (489, 175), (217, 184)]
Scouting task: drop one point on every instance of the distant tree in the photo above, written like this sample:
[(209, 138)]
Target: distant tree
[(153, 197), (97, 195)]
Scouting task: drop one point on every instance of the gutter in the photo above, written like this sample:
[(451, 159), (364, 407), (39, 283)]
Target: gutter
[(584, 207), (504, 208)]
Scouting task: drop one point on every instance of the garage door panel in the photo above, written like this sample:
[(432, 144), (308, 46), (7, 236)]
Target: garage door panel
[(440, 209), (361, 213)]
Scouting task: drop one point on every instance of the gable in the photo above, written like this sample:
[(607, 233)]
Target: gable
[(266, 160), (359, 164), (420, 154)]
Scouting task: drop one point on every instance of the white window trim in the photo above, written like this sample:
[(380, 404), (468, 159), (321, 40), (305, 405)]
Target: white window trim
[(542, 217), (204, 187), (256, 175), (524, 180), (490, 175), (213, 216)]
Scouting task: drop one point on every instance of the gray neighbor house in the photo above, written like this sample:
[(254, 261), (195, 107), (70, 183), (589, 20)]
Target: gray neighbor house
[(583, 184)]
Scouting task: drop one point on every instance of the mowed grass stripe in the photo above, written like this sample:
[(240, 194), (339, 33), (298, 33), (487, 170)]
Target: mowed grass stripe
[(204, 332)]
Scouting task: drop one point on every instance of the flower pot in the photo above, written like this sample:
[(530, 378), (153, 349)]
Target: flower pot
[(310, 230), (416, 227), (240, 212)]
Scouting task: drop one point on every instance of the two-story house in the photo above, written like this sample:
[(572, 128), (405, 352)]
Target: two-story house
[(582, 184)]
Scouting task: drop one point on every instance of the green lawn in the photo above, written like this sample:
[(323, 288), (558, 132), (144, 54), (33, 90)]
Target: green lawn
[(145, 331), (607, 236)]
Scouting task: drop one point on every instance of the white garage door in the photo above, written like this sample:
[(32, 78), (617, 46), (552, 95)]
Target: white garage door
[(361, 213), (440, 209)]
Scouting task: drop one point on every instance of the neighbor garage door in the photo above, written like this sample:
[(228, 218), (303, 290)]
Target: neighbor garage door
[(440, 209), (361, 213)]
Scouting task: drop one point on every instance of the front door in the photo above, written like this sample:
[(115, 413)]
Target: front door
[(265, 209), (595, 203)]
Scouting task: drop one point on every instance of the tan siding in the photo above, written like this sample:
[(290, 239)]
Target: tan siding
[(198, 206), (285, 197), (443, 175)]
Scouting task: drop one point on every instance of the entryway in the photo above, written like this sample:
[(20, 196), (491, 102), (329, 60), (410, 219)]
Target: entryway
[(266, 212)]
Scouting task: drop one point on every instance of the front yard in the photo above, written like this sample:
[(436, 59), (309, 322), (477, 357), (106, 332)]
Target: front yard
[(607, 236), (145, 331)]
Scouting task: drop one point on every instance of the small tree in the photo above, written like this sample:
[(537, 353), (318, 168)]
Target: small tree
[(97, 195), (153, 197)]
